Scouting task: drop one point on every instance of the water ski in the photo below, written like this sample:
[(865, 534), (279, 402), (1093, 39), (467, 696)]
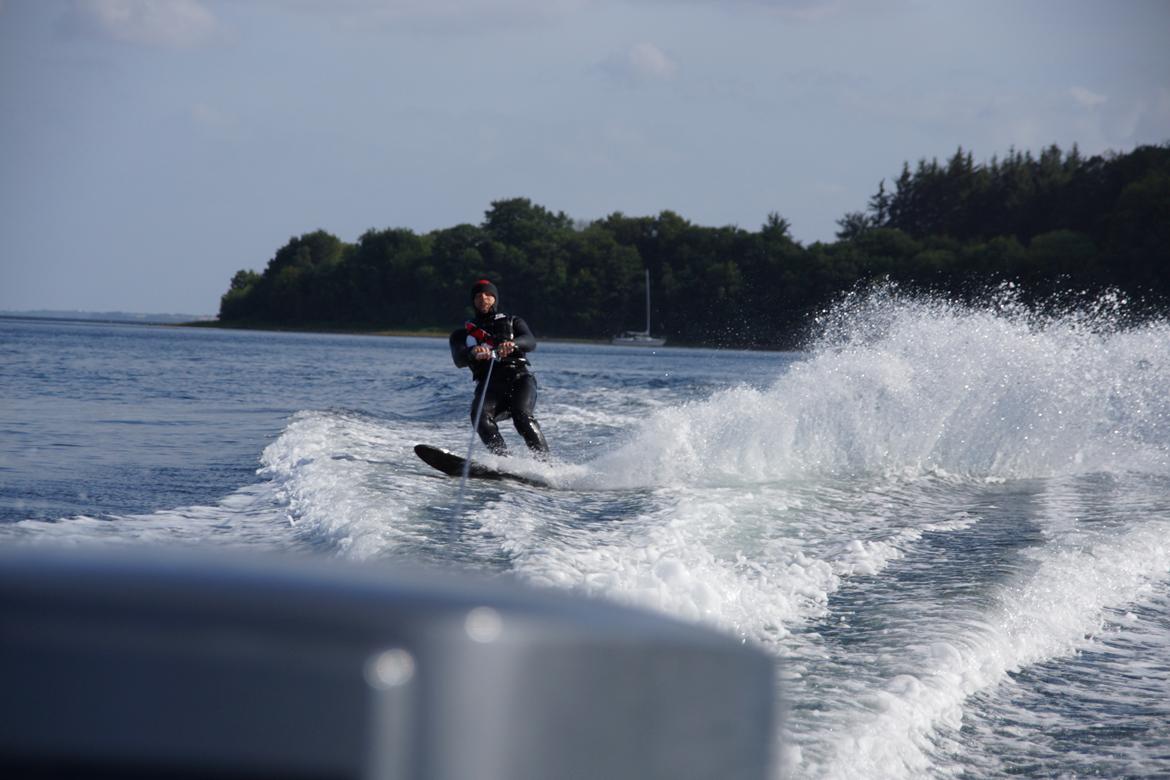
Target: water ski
[(452, 465)]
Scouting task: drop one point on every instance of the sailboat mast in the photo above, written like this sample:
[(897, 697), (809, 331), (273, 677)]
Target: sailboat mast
[(647, 301)]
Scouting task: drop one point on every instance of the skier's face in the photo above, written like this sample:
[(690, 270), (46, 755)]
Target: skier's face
[(484, 302)]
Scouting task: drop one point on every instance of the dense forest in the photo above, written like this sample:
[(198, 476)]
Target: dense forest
[(1052, 225)]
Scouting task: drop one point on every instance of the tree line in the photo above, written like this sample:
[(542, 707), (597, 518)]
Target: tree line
[(1050, 224)]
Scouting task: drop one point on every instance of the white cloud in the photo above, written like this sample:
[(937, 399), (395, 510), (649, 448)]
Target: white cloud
[(641, 62), (165, 23), (648, 60), (1086, 98), (797, 10), (435, 15)]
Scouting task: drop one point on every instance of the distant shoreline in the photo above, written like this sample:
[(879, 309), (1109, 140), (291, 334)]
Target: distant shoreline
[(182, 322), (97, 319), (338, 330), (329, 329), (112, 317)]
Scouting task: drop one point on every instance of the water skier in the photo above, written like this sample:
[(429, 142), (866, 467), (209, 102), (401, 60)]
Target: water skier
[(511, 389)]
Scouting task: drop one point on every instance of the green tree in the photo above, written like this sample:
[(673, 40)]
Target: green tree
[(1061, 254), (853, 225), (1051, 223), (311, 250), (517, 221), (235, 303)]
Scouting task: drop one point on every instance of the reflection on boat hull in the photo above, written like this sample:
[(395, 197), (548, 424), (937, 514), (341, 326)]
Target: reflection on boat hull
[(637, 339), (201, 664)]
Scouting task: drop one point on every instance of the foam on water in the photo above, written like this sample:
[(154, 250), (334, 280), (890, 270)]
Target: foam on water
[(898, 729), (336, 475), (816, 514), (916, 386)]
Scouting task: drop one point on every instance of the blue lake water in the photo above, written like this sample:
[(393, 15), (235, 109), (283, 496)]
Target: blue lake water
[(950, 526)]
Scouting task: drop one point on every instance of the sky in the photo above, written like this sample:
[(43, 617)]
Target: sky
[(149, 149)]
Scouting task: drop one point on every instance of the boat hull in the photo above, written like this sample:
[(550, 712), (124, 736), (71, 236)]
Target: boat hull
[(636, 340)]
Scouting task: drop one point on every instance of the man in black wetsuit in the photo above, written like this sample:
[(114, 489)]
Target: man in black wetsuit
[(504, 339)]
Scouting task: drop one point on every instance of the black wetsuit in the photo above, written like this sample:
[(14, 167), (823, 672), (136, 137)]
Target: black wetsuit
[(512, 389)]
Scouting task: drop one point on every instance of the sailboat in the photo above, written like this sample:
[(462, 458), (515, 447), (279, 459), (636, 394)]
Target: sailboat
[(640, 338)]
